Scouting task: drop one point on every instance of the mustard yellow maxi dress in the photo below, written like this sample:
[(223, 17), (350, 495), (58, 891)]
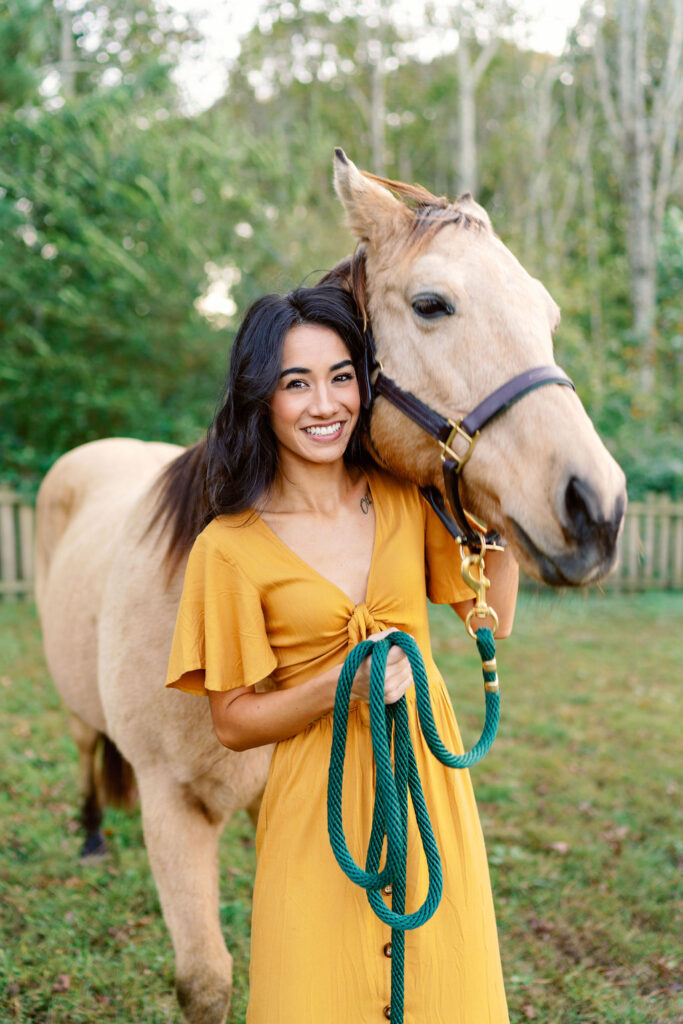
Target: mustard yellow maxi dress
[(250, 609)]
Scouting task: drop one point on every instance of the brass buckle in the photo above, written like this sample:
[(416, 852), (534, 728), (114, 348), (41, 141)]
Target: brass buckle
[(447, 451), (479, 584)]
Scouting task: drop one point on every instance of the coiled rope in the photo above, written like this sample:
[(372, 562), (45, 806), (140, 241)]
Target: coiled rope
[(390, 811)]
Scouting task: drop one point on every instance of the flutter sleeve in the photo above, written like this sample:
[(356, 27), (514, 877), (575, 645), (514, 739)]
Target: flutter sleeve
[(220, 640), (445, 584)]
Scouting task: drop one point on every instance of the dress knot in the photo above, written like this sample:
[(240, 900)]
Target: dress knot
[(362, 624)]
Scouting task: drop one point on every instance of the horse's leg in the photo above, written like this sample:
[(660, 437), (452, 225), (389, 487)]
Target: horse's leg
[(181, 837), (86, 739), (253, 810)]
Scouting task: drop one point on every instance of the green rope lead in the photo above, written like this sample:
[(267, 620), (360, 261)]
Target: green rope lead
[(390, 810)]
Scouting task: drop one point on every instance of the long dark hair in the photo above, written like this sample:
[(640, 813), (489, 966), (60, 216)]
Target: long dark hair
[(242, 458)]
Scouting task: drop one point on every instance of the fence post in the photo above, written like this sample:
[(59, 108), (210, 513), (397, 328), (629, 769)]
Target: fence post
[(16, 546)]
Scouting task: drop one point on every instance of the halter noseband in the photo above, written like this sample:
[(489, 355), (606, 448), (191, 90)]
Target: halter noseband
[(445, 431)]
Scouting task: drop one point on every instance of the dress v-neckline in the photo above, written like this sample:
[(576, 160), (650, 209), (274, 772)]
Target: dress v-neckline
[(315, 572)]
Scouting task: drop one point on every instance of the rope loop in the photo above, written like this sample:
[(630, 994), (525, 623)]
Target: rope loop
[(389, 722)]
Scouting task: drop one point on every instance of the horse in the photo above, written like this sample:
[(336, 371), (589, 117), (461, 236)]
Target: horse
[(453, 314)]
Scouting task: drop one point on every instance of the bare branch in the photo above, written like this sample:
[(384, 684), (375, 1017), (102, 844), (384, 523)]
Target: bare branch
[(671, 77), (666, 174), (484, 59), (614, 125)]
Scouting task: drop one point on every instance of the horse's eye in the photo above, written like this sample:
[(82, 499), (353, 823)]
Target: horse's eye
[(430, 307)]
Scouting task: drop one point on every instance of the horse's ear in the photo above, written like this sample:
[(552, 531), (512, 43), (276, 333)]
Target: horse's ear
[(468, 205), (372, 211)]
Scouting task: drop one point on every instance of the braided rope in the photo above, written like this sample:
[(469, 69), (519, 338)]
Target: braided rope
[(390, 810)]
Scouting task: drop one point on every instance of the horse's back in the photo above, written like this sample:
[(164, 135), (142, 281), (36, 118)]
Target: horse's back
[(82, 505)]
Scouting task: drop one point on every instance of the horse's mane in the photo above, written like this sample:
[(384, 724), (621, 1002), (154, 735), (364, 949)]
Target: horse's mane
[(179, 511)]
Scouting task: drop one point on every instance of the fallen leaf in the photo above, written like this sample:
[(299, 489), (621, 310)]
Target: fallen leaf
[(62, 984), (528, 1011), (560, 847), (540, 927)]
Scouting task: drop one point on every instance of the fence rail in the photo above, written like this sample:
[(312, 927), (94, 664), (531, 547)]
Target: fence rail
[(650, 549)]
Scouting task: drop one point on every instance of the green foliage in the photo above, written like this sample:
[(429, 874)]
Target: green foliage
[(116, 212), (28, 29), (107, 224)]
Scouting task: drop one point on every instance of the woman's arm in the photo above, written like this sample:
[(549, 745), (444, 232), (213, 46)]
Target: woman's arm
[(503, 572), (244, 718)]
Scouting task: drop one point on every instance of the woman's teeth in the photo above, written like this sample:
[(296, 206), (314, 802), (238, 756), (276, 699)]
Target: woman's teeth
[(323, 431)]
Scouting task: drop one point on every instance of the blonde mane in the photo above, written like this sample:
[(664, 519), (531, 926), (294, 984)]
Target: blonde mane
[(431, 212)]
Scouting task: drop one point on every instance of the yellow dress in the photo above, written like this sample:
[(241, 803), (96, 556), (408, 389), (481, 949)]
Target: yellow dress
[(251, 608)]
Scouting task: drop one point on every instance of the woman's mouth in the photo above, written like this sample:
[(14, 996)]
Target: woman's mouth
[(325, 432)]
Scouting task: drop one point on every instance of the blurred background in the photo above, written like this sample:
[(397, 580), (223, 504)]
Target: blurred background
[(163, 165)]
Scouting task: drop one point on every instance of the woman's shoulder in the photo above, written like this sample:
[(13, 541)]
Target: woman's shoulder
[(230, 537)]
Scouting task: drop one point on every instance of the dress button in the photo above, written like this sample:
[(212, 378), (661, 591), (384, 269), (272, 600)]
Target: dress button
[(387, 949), (387, 890), (387, 1012)]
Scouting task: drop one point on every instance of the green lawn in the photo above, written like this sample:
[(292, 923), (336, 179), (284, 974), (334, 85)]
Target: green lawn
[(580, 801)]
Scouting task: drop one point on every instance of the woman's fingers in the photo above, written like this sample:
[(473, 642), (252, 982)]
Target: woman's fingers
[(398, 676)]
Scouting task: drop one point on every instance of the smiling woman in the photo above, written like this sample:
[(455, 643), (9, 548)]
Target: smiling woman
[(307, 550)]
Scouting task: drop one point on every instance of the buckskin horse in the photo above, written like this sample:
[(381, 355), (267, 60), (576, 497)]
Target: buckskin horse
[(454, 317)]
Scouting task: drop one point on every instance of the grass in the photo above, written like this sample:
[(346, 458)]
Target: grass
[(579, 799)]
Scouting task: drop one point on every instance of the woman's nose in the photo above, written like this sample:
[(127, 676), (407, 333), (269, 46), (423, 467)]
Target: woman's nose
[(324, 402)]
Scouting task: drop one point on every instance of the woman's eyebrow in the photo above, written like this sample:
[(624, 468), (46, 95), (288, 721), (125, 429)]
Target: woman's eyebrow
[(302, 369), (294, 369)]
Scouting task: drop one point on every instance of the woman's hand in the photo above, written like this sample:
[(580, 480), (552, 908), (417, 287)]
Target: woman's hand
[(397, 679)]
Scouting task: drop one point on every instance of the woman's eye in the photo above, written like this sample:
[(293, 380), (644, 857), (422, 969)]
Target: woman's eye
[(295, 384), (344, 377), (430, 307)]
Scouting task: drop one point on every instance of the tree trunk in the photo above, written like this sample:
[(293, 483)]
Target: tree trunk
[(377, 108), (467, 157), (644, 123)]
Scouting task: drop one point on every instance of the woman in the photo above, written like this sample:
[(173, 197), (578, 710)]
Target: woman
[(310, 549)]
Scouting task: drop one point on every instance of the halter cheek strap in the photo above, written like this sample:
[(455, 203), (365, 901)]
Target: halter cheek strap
[(447, 431)]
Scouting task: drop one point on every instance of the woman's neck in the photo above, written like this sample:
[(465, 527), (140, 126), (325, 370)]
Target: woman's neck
[(317, 487)]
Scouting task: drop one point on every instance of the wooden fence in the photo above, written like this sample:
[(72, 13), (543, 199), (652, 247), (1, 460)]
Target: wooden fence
[(16, 546), (650, 549)]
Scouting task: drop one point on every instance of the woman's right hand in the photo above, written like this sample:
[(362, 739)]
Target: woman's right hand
[(398, 677)]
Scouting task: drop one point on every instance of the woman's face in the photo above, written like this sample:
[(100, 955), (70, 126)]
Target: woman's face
[(316, 404)]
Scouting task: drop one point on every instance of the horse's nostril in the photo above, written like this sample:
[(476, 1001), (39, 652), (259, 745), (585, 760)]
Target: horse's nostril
[(585, 518), (577, 500)]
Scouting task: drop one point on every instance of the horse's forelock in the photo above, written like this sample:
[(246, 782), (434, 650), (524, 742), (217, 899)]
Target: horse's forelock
[(431, 212)]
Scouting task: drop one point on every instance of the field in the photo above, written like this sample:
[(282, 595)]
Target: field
[(580, 801)]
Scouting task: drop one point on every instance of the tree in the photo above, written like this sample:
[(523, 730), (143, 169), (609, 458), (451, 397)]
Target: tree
[(637, 53)]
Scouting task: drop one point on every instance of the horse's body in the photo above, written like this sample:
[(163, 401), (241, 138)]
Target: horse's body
[(108, 604)]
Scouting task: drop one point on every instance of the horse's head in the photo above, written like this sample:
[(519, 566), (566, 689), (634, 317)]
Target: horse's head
[(454, 316)]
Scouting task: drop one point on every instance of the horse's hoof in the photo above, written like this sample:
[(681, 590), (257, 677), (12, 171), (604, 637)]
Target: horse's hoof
[(204, 998), (94, 848)]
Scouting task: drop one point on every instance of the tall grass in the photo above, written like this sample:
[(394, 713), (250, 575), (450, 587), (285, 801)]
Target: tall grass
[(580, 802)]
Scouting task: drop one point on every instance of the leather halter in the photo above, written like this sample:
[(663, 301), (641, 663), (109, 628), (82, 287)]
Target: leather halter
[(446, 431)]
